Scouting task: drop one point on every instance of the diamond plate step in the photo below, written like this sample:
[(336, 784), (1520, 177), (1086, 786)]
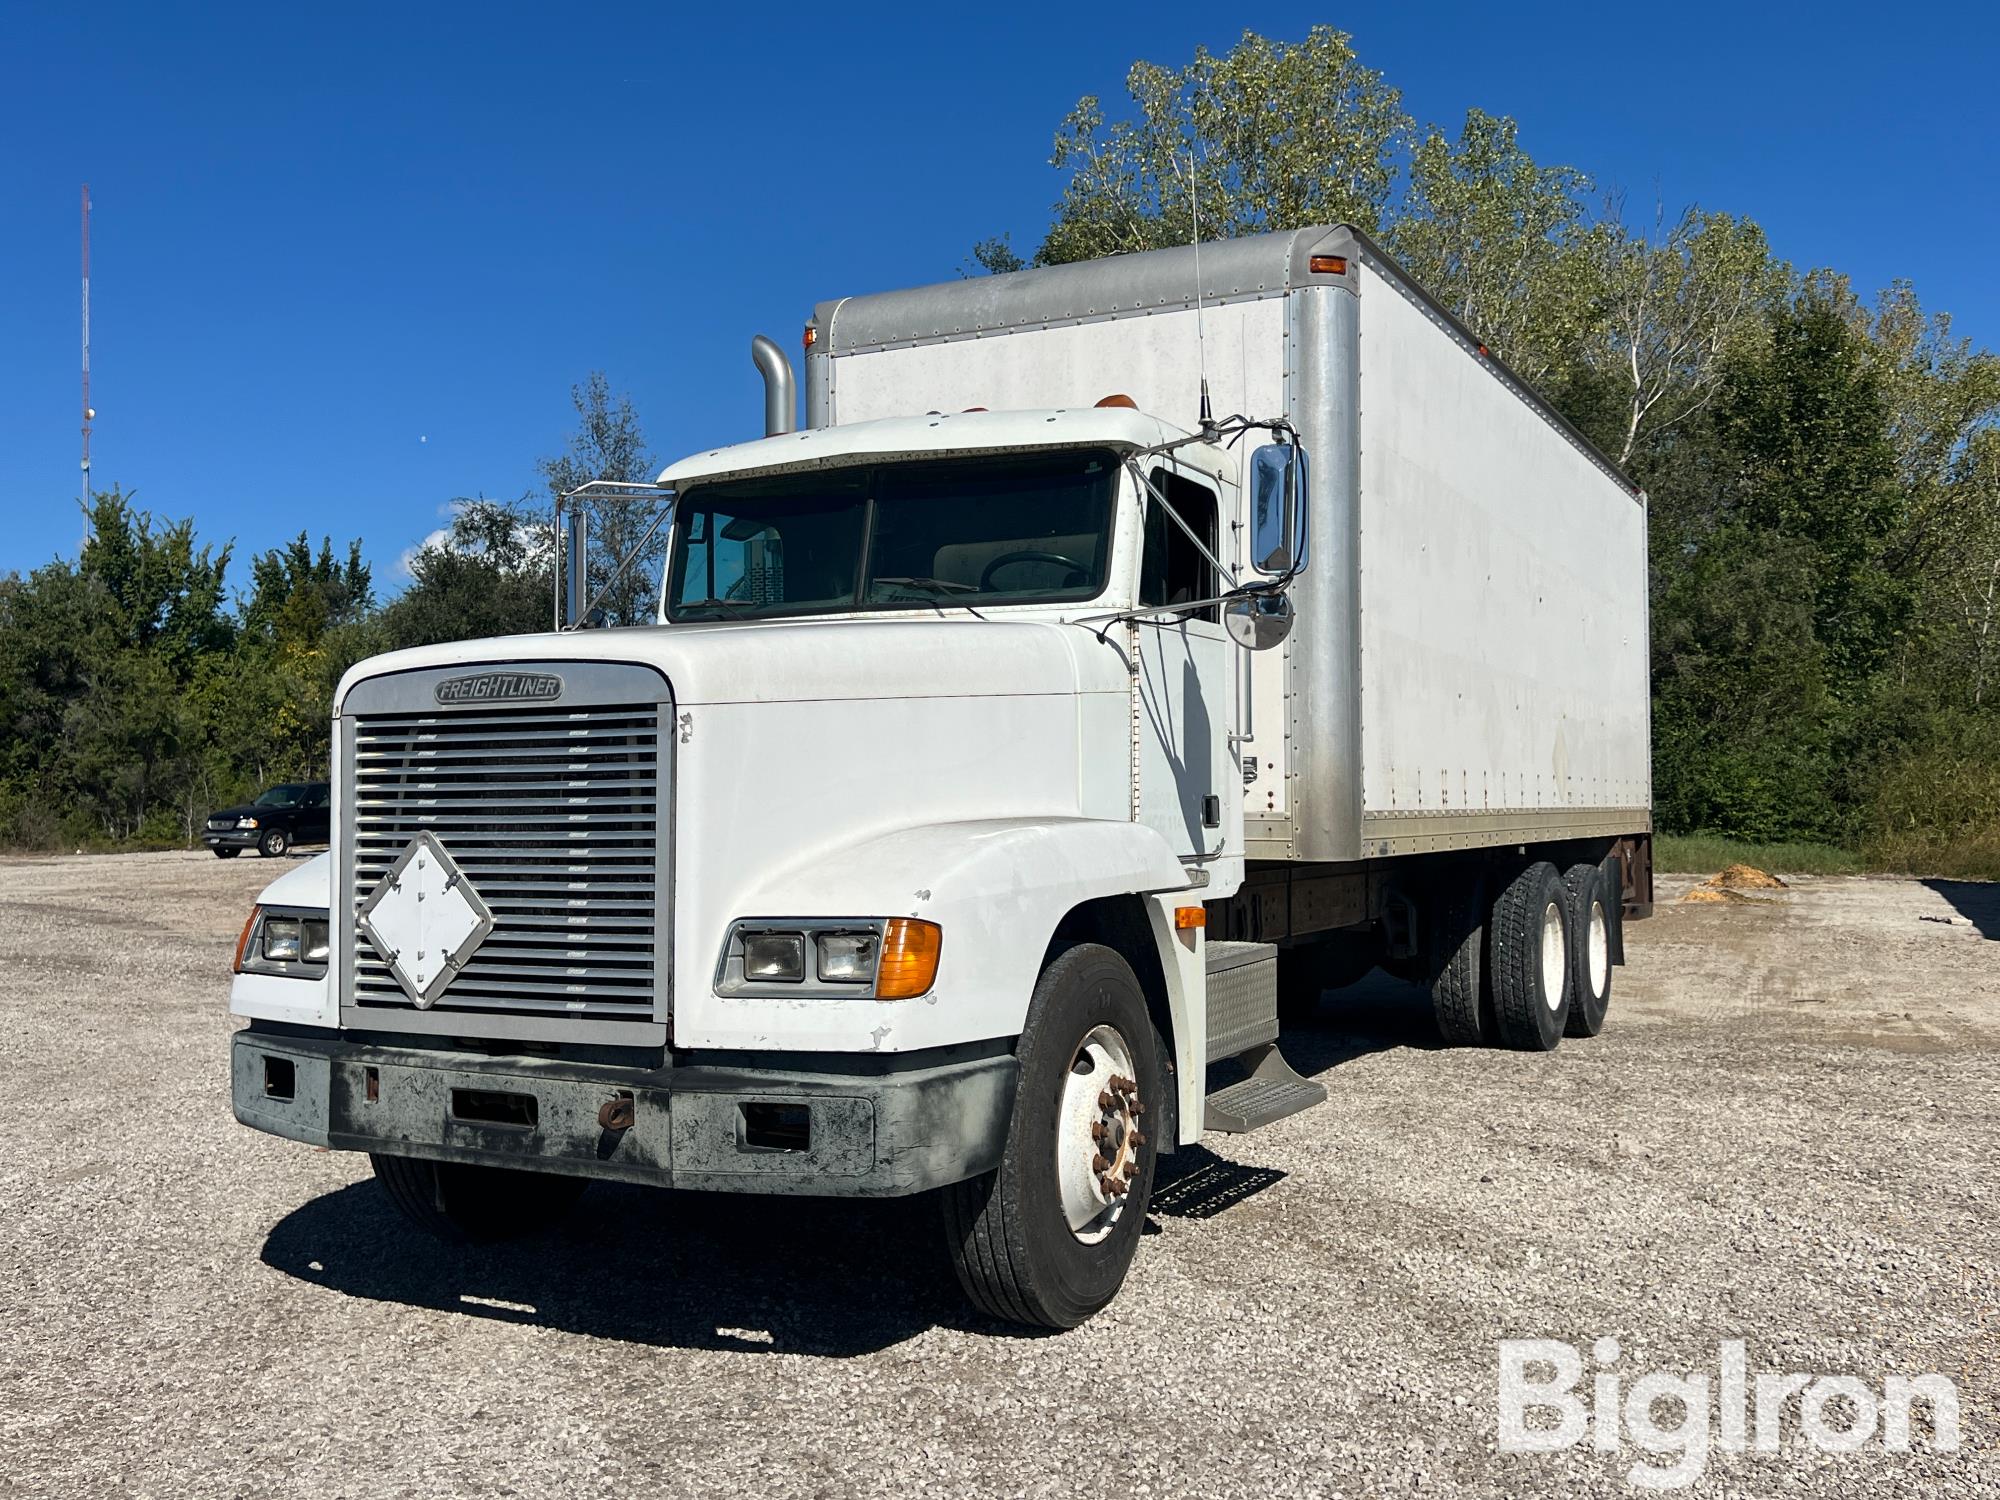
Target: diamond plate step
[(1271, 1092)]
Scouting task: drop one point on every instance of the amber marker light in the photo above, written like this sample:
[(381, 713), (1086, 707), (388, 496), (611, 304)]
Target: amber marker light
[(243, 939), (910, 948), (1329, 265), (1187, 918)]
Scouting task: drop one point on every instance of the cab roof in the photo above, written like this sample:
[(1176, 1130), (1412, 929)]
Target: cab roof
[(934, 432)]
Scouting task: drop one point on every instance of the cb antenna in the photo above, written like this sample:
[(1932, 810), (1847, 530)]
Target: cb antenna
[(1200, 340)]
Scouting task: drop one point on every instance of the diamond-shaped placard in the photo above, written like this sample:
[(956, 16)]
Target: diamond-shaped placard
[(425, 919)]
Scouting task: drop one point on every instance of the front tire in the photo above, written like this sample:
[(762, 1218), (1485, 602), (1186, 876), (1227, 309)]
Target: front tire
[(274, 843), (462, 1204), (1047, 1237), (227, 853)]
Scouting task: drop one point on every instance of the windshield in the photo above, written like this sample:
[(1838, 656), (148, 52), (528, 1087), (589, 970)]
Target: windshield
[(280, 796), (998, 529)]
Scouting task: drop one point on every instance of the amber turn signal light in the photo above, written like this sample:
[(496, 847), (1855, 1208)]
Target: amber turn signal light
[(1188, 917), (243, 939), (1329, 265), (910, 948)]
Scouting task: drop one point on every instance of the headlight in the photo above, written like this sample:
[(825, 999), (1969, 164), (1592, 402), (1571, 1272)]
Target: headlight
[(291, 942), (281, 939), (246, 822), (847, 957), (893, 958), (774, 956)]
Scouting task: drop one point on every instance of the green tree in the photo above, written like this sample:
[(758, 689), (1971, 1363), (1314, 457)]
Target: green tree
[(490, 575), (164, 592), (1677, 301), (1501, 241), (1271, 135), (608, 444), (298, 596)]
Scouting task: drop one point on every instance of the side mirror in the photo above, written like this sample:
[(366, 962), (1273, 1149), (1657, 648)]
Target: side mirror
[(1257, 622), (1279, 506)]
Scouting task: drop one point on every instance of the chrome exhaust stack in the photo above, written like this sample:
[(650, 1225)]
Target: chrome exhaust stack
[(780, 401)]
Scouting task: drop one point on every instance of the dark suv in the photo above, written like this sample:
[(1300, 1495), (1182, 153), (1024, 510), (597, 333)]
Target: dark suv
[(294, 813)]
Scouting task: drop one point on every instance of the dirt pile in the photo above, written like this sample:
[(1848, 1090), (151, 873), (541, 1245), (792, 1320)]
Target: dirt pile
[(1730, 884)]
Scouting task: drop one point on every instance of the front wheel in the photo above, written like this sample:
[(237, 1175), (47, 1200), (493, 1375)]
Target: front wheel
[(274, 843), (224, 853), (1047, 1237), (464, 1204)]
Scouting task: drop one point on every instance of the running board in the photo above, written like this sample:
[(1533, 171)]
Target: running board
[(1271, 1092)]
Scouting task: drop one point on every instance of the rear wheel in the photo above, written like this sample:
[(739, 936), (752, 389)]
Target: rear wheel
[(465, 1204), (1048, 1236), (1529, 957), (274, 843), (1454, 956), (1590, 918)]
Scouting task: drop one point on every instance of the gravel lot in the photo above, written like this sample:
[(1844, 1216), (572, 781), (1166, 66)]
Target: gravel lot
[(1787, 1135)]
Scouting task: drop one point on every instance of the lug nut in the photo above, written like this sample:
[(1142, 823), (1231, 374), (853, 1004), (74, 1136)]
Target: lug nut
[(1098, 1163), (1103, 1100), (1138, 1140)]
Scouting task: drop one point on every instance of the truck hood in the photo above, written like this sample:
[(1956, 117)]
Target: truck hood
[(792, 661)]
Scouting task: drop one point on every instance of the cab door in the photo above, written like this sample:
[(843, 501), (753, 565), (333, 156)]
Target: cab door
[(1185, 680)]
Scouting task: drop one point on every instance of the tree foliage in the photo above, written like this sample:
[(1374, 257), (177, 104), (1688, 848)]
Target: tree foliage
[(136, 695), (1269, 134), (608, 444)]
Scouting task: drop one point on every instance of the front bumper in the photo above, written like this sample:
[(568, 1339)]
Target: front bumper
[(231, 838), (750, 1130)]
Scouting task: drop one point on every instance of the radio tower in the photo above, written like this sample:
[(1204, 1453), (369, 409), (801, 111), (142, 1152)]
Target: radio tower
[(87, 412)]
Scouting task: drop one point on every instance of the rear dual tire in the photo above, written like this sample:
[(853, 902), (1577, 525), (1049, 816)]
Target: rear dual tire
[(1529, 947), (1594, 910), (1531, 969)]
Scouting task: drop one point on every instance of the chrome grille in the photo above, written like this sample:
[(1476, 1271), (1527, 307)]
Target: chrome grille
[(553, 814)]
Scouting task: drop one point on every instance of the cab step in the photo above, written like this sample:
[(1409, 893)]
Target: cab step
[(1270, 1093)]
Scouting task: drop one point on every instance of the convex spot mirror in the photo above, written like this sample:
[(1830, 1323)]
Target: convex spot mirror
[(1257, 622), (1278, 508)]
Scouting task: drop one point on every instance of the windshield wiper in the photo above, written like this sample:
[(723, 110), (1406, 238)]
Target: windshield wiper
[(935, 586), (688, 604)]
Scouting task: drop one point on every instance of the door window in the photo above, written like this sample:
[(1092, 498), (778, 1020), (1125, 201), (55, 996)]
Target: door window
[(1173, 569)]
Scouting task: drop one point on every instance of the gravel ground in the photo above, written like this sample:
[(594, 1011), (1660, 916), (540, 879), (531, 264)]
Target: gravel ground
[(1786, 1135)]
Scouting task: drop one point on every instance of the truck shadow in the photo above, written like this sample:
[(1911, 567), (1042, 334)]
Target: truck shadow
[(1976, 901), (646, 1266), (760, 1274), (1380, 1013)]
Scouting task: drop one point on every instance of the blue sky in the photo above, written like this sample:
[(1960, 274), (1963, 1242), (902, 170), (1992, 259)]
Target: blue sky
[(348, 261)]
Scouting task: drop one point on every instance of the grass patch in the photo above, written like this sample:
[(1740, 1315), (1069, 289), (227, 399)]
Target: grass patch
[(1705, 853)]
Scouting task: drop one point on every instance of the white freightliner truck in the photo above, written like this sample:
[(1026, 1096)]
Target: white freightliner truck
[(1006, 762)]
